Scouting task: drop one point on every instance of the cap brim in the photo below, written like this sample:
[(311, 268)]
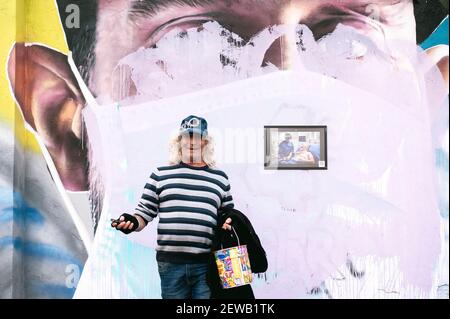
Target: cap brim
[(194, 131)]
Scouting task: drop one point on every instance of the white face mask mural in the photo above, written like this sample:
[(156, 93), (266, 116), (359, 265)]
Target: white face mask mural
[(368, 226)]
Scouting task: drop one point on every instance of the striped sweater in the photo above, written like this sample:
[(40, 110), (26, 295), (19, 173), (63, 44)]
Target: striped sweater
[(186, 199)]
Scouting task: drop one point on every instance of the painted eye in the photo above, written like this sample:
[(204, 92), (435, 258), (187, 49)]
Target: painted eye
[(182, 24)]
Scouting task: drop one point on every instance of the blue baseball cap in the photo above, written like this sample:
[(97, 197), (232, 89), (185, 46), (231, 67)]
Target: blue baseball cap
[(194, 124)]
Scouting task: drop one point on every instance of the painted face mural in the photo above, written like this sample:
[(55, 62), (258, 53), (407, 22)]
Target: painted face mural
[(104, 115)]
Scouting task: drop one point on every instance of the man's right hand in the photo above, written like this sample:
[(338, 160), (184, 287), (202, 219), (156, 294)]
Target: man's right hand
[(126, 223)]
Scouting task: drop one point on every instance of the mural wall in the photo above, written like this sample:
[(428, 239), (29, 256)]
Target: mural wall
[(92, 92)]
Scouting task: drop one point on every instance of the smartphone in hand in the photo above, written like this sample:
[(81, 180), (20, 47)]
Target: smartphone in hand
[(117, 221)]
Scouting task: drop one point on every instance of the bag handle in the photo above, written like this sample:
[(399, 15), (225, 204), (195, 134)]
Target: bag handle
[(234, 231)]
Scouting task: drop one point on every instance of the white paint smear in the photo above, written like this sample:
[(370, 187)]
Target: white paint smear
[(378, 200)]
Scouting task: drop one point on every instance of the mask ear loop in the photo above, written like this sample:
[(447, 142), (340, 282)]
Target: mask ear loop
[(87, 95), (91, 103), (89, 98)]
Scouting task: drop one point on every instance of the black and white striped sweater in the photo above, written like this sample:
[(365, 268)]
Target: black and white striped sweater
[(186, 199)]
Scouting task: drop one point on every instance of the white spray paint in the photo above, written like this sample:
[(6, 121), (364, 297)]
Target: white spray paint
[(376, 205)]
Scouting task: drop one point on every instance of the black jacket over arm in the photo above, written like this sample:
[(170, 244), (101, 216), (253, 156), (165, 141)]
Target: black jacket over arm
[(225, 239)]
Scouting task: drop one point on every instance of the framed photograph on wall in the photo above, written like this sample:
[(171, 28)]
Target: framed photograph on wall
[(295, 147)]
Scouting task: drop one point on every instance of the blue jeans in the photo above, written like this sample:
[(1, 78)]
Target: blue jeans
[(183, 281)]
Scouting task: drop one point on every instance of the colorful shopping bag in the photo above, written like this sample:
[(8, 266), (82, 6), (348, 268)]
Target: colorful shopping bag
[(233, 265)]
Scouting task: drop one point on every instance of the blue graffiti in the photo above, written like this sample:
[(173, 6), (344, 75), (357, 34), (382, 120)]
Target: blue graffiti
[(441, 159), (39, 250), (20, 212), (52, 290), (439, 36), (442, 164)]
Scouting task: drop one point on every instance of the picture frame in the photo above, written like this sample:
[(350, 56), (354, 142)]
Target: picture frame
[(302, 147)]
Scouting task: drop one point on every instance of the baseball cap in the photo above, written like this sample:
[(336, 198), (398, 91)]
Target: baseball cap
[(194, 124)]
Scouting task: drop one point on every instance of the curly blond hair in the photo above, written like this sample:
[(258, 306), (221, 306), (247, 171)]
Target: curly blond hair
[(207, 152)]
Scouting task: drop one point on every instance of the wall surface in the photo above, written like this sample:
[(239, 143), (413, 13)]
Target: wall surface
[(91, 92)]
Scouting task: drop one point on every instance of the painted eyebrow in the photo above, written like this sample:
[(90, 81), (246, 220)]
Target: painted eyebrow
[(150, 8)]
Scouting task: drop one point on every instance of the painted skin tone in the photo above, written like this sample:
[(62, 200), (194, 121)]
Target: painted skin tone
[(393, 19), (51, 100), (191, 153)]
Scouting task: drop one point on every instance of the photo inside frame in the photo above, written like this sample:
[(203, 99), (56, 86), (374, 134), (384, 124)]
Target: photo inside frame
[(295, 147)]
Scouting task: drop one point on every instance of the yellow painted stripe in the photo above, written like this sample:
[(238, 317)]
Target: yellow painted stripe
[(33, 21)]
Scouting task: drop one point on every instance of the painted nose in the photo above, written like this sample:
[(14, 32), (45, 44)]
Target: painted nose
[(276, 54), (283, 51)]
